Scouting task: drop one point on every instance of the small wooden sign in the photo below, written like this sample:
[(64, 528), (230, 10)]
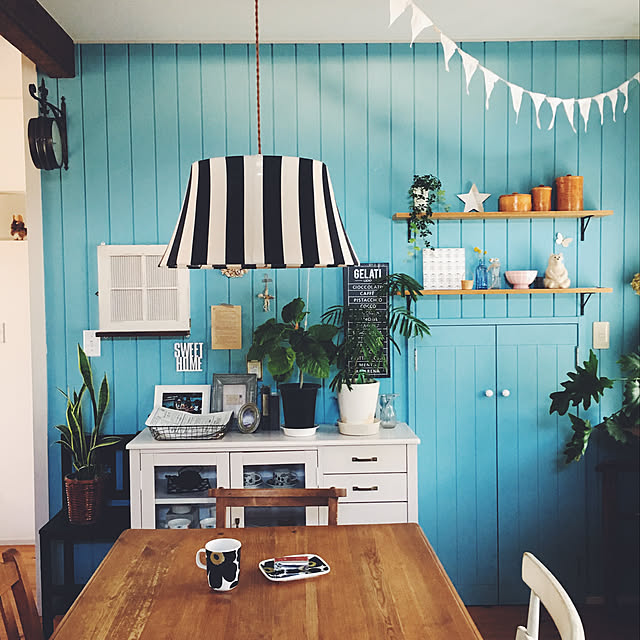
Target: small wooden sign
[(226, 326)]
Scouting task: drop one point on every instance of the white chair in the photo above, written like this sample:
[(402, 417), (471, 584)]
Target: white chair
[(546, 589)]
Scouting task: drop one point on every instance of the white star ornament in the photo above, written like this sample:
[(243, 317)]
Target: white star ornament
[(473, 200)]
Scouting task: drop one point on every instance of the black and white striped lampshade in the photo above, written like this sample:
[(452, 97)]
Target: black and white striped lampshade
[(256, 212)]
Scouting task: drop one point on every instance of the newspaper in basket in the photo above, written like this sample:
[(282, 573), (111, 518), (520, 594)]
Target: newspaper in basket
[(169, 424)]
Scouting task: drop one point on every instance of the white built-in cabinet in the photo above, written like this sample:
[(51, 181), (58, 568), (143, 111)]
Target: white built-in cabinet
[(16, 424), (379, 473)]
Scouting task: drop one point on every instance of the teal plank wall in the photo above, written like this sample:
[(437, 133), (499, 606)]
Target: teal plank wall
[(138, 115)]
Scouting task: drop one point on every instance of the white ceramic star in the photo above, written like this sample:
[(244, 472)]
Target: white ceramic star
[(473, 200)]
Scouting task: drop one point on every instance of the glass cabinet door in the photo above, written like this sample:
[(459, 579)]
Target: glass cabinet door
[(273, 470), (175, 486)]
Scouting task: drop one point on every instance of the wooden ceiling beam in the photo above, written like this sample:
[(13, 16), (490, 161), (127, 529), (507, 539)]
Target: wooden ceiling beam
[(31, 30)]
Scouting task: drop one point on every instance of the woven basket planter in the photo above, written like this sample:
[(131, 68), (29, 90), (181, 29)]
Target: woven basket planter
[(84, 499)]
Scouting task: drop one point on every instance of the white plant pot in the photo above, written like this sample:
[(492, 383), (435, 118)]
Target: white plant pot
[(358, 406)]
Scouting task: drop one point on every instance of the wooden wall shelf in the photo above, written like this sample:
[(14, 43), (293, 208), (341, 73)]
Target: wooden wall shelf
[(507, 215), (584, 292), (584, 216)]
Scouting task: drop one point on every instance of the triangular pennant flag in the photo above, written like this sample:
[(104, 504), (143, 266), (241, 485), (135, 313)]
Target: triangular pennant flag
[(585, 107), (470, 65), (490, 80), (396, 9), (624, 90), (568, 104), (613, 96), (538, 99), (449, 47), (600, 102), (419, 21), (553, 103), (516, 97)]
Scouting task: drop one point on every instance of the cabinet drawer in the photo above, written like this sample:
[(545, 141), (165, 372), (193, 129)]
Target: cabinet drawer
[(369, 487), (372, 513), (367, 459)]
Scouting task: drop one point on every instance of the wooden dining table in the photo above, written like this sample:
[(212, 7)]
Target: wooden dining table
[(385, 581)]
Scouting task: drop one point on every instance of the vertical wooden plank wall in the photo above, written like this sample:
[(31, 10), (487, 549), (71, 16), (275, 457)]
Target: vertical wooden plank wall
[(139, 115)]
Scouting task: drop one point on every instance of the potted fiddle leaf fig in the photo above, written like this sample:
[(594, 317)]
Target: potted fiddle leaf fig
[(362, 348), (288, 346), (584, 385), (82, 437)]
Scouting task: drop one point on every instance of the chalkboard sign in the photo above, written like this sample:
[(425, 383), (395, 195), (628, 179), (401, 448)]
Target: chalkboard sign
[(361, 292)]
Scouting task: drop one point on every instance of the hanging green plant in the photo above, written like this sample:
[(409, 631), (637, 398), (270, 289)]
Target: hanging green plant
[(424, 192)]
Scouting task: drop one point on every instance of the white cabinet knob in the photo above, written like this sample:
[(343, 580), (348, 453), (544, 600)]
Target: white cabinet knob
[(488, 393), (505, 393)]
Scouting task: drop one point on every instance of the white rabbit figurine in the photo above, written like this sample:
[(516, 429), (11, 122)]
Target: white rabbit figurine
[(556, 275)]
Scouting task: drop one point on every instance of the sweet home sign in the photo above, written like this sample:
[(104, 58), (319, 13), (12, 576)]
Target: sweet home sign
[(188, 356)]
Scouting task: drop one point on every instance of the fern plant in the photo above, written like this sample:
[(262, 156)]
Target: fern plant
[(583, 386), (287, 345), (80, 443), (364, 342)]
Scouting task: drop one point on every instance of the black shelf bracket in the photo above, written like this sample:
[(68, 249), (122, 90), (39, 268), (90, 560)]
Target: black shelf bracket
[(584, 223), (584, 298)]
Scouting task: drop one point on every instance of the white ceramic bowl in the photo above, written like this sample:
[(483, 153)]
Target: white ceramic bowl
[(179, 523), (520, 279), (208, 523)]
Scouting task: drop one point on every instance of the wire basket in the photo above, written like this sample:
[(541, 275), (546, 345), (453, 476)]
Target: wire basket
[(191, 432)]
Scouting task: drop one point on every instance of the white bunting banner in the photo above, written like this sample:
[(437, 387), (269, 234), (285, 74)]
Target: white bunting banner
[(585, 107), (419, 22), (516, 97), (624, 90), (470, 65), (538, 99), (490, 80), (553, 103), (613, 96), (397, 8), (449, 47), (569, 104), (600, 102)]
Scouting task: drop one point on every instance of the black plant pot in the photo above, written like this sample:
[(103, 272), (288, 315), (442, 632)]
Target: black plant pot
[(299, 405)]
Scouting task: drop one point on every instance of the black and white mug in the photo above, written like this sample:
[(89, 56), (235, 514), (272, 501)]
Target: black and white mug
[(222, 563)]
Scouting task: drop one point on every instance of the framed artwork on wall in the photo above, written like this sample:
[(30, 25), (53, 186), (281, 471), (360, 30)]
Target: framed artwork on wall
[(192, 398), (232, 391)]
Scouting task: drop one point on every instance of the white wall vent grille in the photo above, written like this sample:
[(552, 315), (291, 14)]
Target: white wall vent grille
[(135, 295)]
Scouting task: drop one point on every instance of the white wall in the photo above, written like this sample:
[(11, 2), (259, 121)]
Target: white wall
[(23, 424)]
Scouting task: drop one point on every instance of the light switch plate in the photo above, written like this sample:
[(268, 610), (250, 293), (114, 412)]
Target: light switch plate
[(600, 335), (91, 344)]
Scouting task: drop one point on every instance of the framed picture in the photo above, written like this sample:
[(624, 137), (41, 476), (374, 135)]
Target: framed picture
[(255, 366), (232, 391), (192, 398)]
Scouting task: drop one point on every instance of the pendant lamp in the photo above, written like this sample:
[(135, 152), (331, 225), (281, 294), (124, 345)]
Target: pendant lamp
[(255, 212)]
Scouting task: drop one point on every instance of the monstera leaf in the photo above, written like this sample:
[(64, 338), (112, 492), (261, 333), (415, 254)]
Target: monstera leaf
[(576, 447), (582, 385), (585, 385)]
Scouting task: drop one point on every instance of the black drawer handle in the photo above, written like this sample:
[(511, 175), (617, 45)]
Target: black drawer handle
[(373, 459), (374, 488)]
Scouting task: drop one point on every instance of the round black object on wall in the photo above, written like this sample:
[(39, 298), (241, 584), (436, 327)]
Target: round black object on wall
[(45, 143)]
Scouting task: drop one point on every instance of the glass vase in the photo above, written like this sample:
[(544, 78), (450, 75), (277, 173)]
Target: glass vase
[(481, 275)]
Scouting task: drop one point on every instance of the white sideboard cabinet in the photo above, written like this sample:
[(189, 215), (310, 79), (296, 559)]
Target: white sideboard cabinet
[(170, 479)]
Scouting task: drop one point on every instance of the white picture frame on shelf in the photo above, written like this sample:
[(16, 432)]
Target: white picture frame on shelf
[(192, 398)]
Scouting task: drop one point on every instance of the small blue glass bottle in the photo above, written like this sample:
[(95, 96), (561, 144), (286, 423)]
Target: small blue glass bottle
[(481, 275)]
